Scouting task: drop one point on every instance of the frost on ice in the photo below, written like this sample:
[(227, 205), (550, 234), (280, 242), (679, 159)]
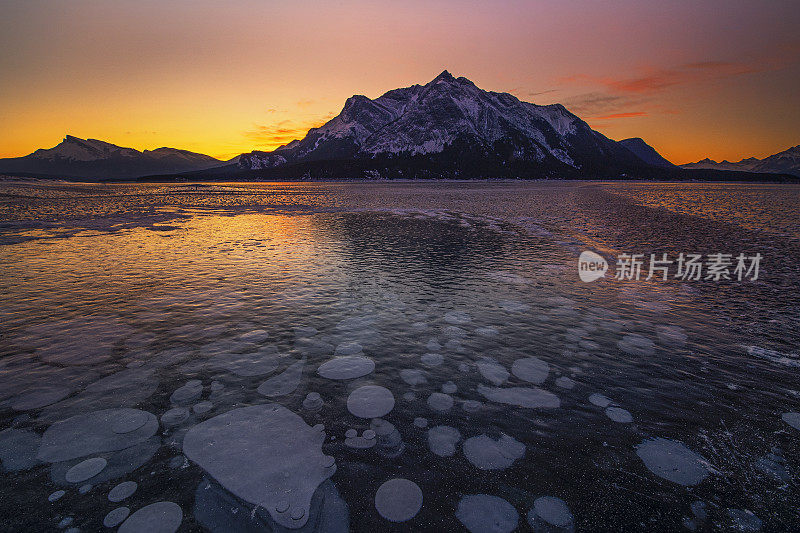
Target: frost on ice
[(484, 513), (266, 455)]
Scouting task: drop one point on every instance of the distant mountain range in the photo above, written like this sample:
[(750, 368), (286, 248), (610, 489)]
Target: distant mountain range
[(786, 162), (447, 128), (93, 159)]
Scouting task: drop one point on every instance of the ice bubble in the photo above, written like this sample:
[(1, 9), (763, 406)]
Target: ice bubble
[(358, 443), (284, 383), (463, 367), (313, 347), (398, 500), (449, 388), (348, 348), (792, 418), (487, 331), (201, 408), (454, 331), (84, 489), (130, 421), (514, 307), (491, 370), (266, 455), (432, 359), (66, 521), (18, 449), (258, 363), (409, 396), (413, 376), (672, 461), (313, 402), (672, 336), (565, 383), (122, 491), (421, 422), (39, 397), (188, 393), (370, 401), (56, 495), (390, 443), (304, 331), (454, 345), (419, 326), (369, 434), (699, 510), (433, 346), (489, 454), (347, 367), (86, 340), (550, 512), (618, 414), (175, 417), (442, 440), (457, 318), (216, 386), (483, 513), (636, 345), (744, 520), (472, 406), (528, 397), (86, 469), (599, 400), (159, 517), (530, 369), (255, 336), (92, 433), (440, 402), (350, 433), (116, 516)]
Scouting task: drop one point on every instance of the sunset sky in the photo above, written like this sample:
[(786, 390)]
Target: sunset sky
[(715, 79)]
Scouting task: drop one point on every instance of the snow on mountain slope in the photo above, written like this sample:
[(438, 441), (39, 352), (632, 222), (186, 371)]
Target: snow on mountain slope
[(786, 162)]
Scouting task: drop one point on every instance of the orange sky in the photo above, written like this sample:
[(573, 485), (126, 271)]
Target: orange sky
[(694, 79)]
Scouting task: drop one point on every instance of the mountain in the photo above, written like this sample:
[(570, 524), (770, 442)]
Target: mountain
[(93, 159), (645, 152), (448, 128), (786, 162)]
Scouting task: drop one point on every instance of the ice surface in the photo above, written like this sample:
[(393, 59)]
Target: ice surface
[(122, 491), (554, 512), (347, 367), (531, 369), (442, 440), (284, 383), (398, 500), (514, 307), (85, 470), (529, 397), (487, 331), (370, 401), (92, 433), (490, 454), (159, 517), (672, 461), (257, 363), (673, 336), (18, 449), (441, 402), (744, 520), (492, 371), (484, 513), (266, 455), (86, 340)]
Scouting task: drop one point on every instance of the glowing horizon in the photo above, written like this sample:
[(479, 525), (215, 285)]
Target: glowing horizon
[(714, 80)]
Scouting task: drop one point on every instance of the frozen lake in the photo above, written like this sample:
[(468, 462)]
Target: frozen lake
[(395, 356)]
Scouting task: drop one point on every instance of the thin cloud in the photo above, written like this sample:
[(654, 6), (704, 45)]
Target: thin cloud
[(271, 136), (629, 114)]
